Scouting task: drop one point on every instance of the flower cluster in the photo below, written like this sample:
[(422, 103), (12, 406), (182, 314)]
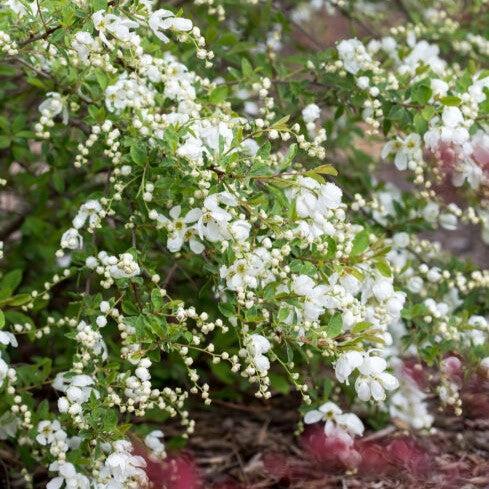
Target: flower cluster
[(184, 217)]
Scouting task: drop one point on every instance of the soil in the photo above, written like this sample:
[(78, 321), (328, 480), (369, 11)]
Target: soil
[(253, 446)]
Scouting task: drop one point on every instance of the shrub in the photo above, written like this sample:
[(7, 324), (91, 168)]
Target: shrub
[(193, 207)]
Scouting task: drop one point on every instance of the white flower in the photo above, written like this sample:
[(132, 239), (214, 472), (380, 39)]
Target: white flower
[(17, 7), (452, 117), (191, 149), (154, 443), (423, 53), (3, 370), (415, 284), (67, 475), (311, 112), (216, 137), (240, 230), (72, 240), (128, 92), (306, 197), (448, 221), (373, 380), (258, 346), (468, 171), (314, 199), (179, 232), (53, 106), (363, 82), (7, 338), (431, 211), (121, 466), (250, 147), (330, 196), (126, 267), (213, 222), (77, 388), (163, 20), (353, 55), (337, 423), (382, 289), (119, 27), (316, 298), (90, 211), (406, 150), (346, 364), (83, 43), (48, 432), (439, 87), (409, 403)]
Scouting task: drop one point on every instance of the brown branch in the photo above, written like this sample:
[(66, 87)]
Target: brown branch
[(39, 37)]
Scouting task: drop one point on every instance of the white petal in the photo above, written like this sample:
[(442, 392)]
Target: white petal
[(313, 416), (377, 390), (262, 363), (363, 389), (192, 216), (351, 422), (55, 483), (388, 381), (373, 365)]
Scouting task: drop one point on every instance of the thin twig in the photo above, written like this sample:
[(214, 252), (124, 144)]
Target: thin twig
[(39, 37), (169, 275)]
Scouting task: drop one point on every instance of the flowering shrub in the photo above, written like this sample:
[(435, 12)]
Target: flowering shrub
[(188, 206)]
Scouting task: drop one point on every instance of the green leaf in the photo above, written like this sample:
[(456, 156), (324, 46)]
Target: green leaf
[(325, 170), (223, 372), (279, 383), (227, 309), (335, 325), (219, 95), (16, 300), (383, 267), (246, 68), (451, 100), (360, 243), (420, 124), (4, 141), (421, 94), (2, 319), (11, 280), (283, 314), (156, 299), (281, 124), (361, 326), (139, 155)]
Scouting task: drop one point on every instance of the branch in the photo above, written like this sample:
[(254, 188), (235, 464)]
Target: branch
[(38, 37)]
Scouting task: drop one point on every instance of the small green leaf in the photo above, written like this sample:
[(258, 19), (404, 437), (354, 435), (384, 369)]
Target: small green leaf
[(451, 100), (325, 170), (139, 155), (359, 327), (11, 280), (360, 243), (246, 68), (383, 267), (219, 95), (335, 325), (279, 383), (421, 94)]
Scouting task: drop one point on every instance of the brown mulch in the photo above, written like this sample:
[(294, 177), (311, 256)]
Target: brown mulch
[(253, 445)]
